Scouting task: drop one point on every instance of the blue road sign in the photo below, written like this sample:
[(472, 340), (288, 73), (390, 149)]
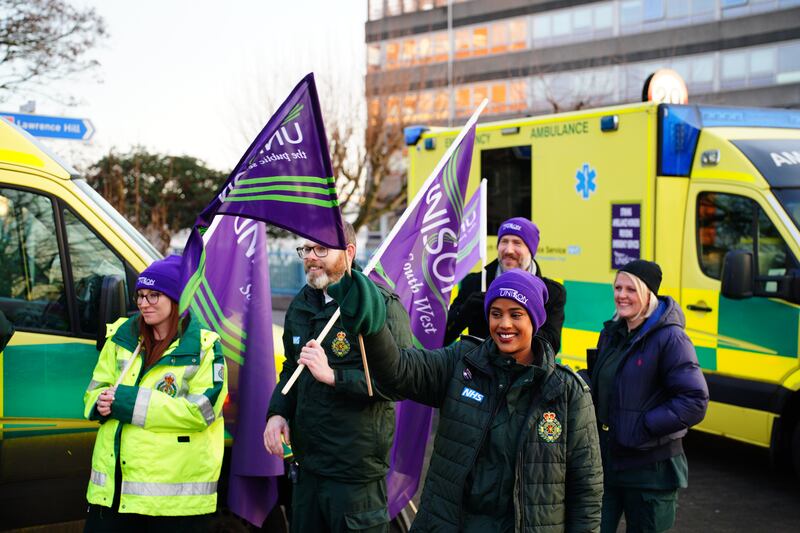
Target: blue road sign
[(77, 129)]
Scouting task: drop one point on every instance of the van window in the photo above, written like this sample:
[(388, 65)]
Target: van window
[(91, 260), (31, 280), (728, 222), (508, 183)]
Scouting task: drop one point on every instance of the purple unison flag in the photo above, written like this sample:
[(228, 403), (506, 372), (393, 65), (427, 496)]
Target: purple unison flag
[(233, 299), (469, 249), (419, 264)]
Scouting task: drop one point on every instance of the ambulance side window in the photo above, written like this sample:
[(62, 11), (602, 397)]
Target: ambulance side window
[(91, 260), (32, 294), (508, 179), (728, 222)]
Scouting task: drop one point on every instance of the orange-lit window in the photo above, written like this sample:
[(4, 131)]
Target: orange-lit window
[(498, 37), (409, 6), (392, 51), (425, 106), (409, 51), (463, 41), (517, 96), (409, 106), (518, 30), (441, 47), (479, 92), (424, 49), (374, 109), (393, 110), (498, 100), (480, 40), (441, 105), (462, 100)]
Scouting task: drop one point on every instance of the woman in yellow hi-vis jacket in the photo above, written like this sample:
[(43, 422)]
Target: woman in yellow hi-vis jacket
[(158, 452)]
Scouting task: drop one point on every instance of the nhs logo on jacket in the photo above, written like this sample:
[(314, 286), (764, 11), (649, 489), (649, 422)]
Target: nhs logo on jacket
[(472, 394)]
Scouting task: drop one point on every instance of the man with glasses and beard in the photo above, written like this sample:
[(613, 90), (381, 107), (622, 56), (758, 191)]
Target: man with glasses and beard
[(340, 436), (517, 242)]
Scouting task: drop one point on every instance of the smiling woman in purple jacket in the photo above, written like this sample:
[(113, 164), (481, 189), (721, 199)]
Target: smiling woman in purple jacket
[(648, 390)]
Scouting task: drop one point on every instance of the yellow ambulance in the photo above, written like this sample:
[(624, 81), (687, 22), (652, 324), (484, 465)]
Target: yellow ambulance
[(710, 193), (68, 263)]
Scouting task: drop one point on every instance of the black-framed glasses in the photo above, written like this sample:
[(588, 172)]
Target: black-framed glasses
[(305, 251), (151, 297)]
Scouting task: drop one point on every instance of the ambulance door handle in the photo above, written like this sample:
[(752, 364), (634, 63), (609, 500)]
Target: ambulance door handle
[(700, 306)]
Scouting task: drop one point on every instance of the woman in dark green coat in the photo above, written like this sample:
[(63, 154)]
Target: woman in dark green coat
[(516, 448)]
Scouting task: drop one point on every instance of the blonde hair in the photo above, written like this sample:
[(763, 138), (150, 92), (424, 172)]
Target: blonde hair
[(645, 295)]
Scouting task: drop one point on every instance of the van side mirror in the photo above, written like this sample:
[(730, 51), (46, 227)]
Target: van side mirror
[(112, 305), (737, 275)]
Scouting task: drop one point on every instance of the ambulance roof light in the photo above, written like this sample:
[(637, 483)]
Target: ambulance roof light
[(413, 133)]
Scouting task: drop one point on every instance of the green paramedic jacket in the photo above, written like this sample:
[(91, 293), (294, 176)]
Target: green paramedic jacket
[(337, 432), (165, 428)]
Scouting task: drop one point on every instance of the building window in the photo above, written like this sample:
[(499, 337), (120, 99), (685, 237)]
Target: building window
[(788, 63), (375, 9), (393, 7), (630, 12), (653, 10)]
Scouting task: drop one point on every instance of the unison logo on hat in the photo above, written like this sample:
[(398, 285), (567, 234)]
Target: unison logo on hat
[(510, 225), (514, 294), (147, 281)]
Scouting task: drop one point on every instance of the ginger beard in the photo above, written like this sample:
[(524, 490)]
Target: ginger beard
[(321, 272)]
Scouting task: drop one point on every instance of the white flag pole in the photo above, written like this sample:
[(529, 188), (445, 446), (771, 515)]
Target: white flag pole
[(418, 198), (376, 257), (483, 229)]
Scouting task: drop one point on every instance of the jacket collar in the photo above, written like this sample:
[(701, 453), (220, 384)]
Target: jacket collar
[(543, 358), (127, 336)]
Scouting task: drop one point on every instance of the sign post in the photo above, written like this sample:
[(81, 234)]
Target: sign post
[(75, 129)]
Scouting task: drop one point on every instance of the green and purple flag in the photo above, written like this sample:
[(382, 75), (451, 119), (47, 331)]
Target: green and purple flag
[(418, 262), (470, 241), (284, 179), (233, 299)]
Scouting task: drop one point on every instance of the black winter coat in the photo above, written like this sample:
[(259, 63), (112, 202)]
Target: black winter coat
[(659, 392), (558, 485), (460, 317)]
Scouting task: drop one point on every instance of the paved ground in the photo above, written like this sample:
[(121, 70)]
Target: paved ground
[(732, 488)]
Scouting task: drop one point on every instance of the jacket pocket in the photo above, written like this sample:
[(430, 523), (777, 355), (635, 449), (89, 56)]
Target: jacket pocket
[(630, 431), (366, 519)]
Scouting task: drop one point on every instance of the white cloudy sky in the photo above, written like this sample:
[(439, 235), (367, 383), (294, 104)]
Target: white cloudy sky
[(200, 77)]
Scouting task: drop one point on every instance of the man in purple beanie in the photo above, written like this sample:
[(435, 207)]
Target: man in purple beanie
[(517, 242)]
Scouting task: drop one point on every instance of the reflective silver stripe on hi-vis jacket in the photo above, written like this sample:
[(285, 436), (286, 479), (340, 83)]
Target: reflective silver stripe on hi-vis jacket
[(136, 488), (140, 407), (98, 478), (95, 385), (205, 407), (188, 374)]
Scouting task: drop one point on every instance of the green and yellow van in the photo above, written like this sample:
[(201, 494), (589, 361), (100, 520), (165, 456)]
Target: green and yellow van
[(68, 266), (710, 193)]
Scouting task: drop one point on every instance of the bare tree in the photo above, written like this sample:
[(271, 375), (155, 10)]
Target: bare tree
[(44, 40)]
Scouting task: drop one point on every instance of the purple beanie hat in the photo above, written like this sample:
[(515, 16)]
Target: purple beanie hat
[(523, 287), (522, 228), (163, 276)]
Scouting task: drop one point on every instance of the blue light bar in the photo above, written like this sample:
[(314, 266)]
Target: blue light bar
[(413, 133), (679, 128), (680, 125)]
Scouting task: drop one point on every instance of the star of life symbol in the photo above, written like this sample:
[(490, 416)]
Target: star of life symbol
[(586, 184)]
